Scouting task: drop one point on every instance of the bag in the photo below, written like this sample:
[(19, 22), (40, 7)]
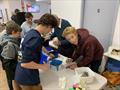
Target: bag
[(5, 61), (1, 48)]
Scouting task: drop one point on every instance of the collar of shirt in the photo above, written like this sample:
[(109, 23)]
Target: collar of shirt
[(30, 25), (60, 23), (58, 26)]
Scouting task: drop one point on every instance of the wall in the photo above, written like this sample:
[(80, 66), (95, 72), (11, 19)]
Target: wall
[(4, 5), (99, 18), (68, 9), (14, 4), (44, 8), (116, 37)]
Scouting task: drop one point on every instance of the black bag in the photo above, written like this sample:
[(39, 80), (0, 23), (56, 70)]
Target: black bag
[(5, 62), (1, 48)]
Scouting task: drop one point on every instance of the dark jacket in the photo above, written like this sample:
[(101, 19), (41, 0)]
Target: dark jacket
[(9, 52), (65, 46), (14, 18), (19, 18), (88, 48), (59, 30)]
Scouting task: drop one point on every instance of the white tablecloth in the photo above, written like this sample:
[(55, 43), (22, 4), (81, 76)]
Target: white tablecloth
[(50, 80)]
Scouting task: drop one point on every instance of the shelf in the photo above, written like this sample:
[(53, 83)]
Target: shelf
[(112, 56)]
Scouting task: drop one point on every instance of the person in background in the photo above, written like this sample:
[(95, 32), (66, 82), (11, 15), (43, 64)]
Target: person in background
[(14, 16), (27, 74), (63, 45), (9, 52), (88, 51), (28, 24)]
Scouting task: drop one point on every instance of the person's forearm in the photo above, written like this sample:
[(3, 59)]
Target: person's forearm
[(45, 50), (85, 61), (32, 65)]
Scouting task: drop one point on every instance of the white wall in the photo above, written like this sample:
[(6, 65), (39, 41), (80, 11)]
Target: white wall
[(4, 5), (44, 8), (69, 10), (116, 37), (14, 4), (99, 18)]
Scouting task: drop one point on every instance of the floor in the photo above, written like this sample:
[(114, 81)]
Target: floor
[(3, 81), (4, 86)]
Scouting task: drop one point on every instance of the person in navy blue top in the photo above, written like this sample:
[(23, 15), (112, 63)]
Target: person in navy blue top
[(63, 45), (27, 74)]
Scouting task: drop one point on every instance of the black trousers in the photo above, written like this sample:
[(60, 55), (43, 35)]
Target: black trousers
[(10, 68), (94, 65)]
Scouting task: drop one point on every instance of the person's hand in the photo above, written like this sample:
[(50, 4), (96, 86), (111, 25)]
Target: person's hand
[(57, 42), (69, 60), (47, 37), (45, 67), (72, 65), (51, 56)]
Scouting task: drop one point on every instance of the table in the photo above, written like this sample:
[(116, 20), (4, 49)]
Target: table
[(105, 59), (112, 56), (50, 80)]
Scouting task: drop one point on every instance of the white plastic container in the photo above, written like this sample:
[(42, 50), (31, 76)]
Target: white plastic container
[(80, 71)]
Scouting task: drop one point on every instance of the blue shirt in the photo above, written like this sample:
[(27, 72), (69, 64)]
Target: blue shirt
[(31, 49)]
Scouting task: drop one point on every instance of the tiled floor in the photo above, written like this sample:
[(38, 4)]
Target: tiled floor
[(3, 82)]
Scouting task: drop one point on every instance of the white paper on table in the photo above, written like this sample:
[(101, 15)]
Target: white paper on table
[(52, 44)]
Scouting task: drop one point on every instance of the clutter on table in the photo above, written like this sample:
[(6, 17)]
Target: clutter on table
[(44, 57), (85, 74), (115, 52), (55, 63)]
